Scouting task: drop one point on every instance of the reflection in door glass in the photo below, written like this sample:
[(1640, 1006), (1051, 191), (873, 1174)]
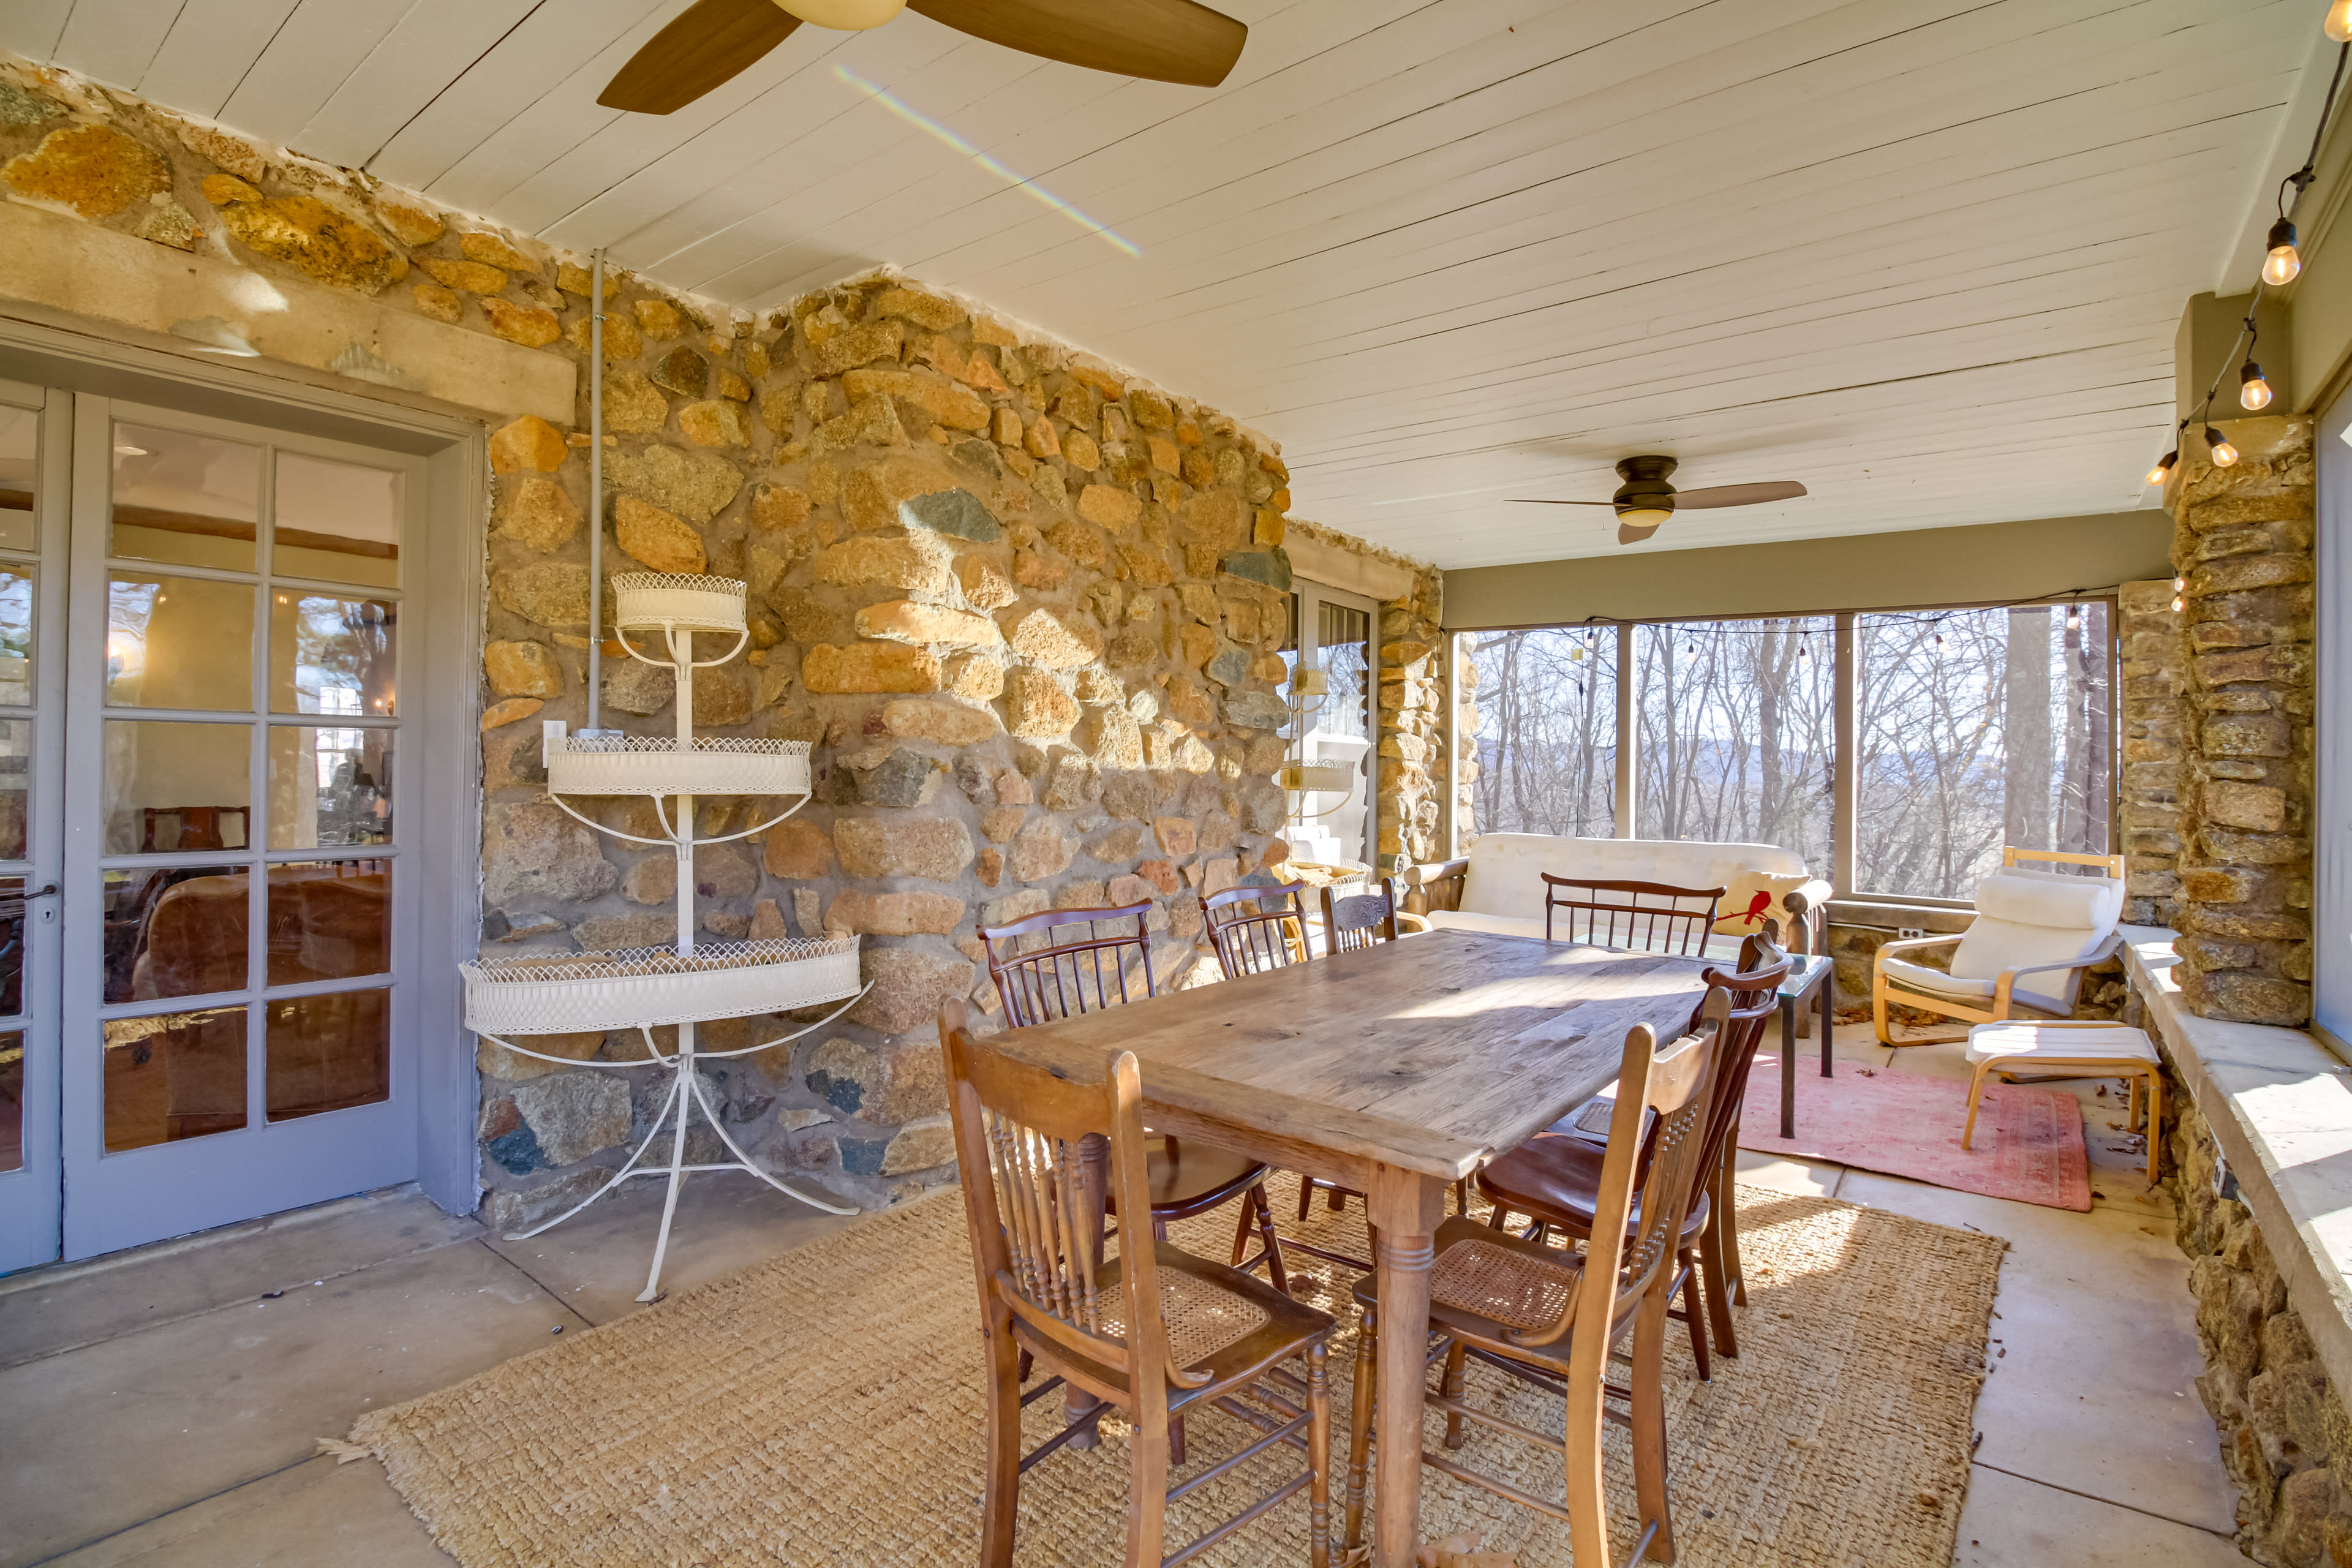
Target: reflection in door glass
[(338, 521), (328, 1053), (179, 642), (15, 784), (177, 931), (174, 1076), (329, 919), (20, 445), (189, 499), (15, 633), (333, 655), (11, 946), (329, 786), (12, 1100), (172, 786)]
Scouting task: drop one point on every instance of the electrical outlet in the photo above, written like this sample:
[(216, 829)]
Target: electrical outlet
[(1909, 934)]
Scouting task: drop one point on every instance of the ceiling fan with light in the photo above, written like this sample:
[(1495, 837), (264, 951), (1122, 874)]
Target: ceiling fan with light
[(712, 40), (1645, 499)]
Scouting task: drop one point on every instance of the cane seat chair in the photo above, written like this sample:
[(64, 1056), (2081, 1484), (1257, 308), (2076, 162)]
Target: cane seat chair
[(1555, 1177), (1154, 1331), (1059, 965), (1552, 1318), (1645, 916)]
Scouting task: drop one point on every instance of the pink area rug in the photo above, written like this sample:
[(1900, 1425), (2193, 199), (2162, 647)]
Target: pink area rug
[(2028, 1143)]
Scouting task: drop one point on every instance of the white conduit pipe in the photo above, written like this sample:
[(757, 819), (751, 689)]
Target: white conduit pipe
[(595, 486)]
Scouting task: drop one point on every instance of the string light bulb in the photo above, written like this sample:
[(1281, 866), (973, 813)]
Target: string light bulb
[(2253, 391), (2163, 470), (2223, 454), (2339, 24), (2179, 594), (2283, 261), (2073, 617)]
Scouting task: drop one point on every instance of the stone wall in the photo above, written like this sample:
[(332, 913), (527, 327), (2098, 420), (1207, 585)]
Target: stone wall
[(2243, 541), (1027, 607), (2286, 1438)]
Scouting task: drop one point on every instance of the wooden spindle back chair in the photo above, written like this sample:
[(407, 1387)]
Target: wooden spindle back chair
[(1356, 921), (1059, 963), (1256, 929), (1153, 1331), (1550, 1318), (1553, 1178), (1645, 916)]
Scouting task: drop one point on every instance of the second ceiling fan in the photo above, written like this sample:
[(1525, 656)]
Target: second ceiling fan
[(1645, 501), (713, 40)]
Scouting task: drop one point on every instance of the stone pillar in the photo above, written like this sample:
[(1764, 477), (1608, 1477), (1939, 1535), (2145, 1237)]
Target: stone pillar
[(2242, 540), (2155, 674), (1413, 691)]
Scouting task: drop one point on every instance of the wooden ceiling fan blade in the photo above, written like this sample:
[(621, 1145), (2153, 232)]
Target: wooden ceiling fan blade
[(1634, 533), (1738, 495), (703, 47), (1162, 40)]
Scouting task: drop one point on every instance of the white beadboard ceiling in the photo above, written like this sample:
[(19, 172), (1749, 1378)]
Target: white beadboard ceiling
[(1924, 256)]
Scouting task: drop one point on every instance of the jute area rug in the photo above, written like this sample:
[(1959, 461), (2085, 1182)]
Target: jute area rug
[(826, 1408), (2028, 1145)]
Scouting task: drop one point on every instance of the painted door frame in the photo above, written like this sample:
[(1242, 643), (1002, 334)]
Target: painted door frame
[(442, 680)]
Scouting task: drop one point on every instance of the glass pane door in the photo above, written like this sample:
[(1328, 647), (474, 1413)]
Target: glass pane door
[(236, 904), (36, 430)]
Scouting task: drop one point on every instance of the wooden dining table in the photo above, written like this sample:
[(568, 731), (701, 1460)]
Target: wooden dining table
[(1397, 1070)]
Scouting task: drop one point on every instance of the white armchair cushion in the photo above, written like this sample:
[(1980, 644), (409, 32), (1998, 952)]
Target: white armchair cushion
[(1935, 981)]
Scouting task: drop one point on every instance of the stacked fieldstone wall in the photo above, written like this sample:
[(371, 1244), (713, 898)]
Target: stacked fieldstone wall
[(2243, 541), (2155, 677), (1028, 609), (2286, 1438)]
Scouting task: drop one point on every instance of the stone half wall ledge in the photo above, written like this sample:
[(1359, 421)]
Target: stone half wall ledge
[(60, 271)]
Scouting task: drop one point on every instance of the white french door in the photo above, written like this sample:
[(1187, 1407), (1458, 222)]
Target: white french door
[(228, 1032), (36, 465)]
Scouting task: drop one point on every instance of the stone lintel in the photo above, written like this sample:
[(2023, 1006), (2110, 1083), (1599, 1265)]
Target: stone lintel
[(61, 268)]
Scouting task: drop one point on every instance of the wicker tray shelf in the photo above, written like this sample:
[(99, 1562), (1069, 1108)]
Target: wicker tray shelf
[(553, 993), (661, 764), (645, 601)]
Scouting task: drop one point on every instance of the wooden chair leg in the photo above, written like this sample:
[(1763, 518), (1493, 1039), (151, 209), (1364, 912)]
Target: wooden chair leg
[(1715, 1281), (1648, 1388), (1693, 1314), (1725, 1198), (1000, 1504), (1028, 1364), (1243, 1220), (1319, 1456), (1360, 1435), (1305, 1196), (1498, 1218), (1456, 1354), (1976, 1091), (1147, 1485), (1274, 1270), (1878, 1010)]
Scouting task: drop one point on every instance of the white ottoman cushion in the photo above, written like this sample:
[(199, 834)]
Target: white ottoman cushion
[(2110, 1042)]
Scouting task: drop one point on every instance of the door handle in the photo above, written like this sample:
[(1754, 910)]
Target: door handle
[(48, 893)]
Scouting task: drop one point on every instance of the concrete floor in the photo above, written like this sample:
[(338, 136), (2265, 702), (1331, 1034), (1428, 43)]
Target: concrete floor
[(163, 1406)]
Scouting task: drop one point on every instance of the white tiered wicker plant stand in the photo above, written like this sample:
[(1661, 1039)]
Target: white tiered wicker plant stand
[(684, 984)]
